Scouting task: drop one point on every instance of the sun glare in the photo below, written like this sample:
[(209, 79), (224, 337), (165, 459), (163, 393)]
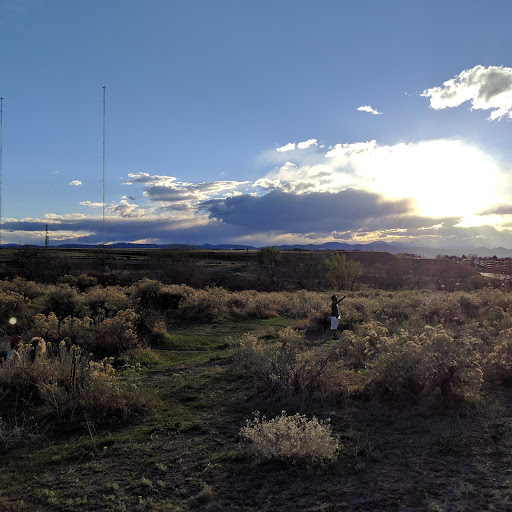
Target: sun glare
[(444, 178)]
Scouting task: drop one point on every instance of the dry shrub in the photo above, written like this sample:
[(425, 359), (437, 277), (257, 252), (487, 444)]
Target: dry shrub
[(432, 365), (28, 289), (288, 372), (77, 331), (207, 305), (45, 326), (64, 383), (117, 334), (152, 294), (13, 305), (110, 336), (498, 364), (81, 282), (264, 304), (65, 301), (290, 439), (316, 324), (106, 301), (364, 343)]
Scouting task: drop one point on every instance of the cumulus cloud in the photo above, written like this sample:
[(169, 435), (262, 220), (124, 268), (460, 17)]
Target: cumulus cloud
[(287, 147), (146, 178), (75, 183), (92, 205), (307, 144), (485, 88), (125, 209), (369, 109), (167, 189), (300, 145)]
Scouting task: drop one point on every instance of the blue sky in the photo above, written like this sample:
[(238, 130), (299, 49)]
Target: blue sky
[(258, 123)]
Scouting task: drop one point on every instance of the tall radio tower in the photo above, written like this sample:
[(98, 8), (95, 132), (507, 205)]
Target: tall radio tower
[(1, 163), (103, 166)]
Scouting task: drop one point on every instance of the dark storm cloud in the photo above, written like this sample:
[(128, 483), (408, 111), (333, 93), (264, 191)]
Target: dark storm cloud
[(168, 194), (409, 222), (164, 229), (500, 209), (315, 212)]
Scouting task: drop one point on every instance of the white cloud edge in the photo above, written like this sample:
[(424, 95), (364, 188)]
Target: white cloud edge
[(486, 88), (369, 109)]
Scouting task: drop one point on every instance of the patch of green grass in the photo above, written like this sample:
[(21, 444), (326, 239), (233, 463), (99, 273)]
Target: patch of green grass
[(215, 336)]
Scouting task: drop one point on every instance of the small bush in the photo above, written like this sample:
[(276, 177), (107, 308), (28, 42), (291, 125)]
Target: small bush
[(106, 301), (65, 301), (432, 365), (64, 384), (288, 373), (13, 305), (82, 282), (290, 439), (117, 334), (207, 305), (498, 363)]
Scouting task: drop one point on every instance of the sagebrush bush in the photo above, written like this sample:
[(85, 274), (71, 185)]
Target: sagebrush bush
[(290, 439), (103, 302), (58, 383), (63, 301), (14, 305), (117, 333), (45, 326), (288, 372), (82, 282), (207, 305), (498, 363), (363, 344), (432, 365)]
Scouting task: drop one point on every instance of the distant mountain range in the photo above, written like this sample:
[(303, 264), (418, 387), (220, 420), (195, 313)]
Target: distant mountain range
[(392, 247)]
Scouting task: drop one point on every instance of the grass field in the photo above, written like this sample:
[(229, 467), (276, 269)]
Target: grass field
[(185, 453)]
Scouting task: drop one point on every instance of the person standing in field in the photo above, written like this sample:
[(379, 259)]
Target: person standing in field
[(335, 314), (13, 358)]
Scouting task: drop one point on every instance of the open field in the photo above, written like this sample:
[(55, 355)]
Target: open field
[(186, 456), (416, 389)]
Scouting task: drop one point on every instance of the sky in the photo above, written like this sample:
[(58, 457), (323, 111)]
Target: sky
[(256, 123)]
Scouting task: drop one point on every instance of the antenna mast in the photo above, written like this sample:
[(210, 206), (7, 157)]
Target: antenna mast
[(1, 163), (103, 166)]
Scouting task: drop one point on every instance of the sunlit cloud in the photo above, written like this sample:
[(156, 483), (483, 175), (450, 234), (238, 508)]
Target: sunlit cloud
[(76, 183), (167, 189), (125, 209), (287, 147), (441, 176), (485, 88), (307, 144), (92, 205), (369, 109), (417, 192), (146, 178), (299, 145)]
